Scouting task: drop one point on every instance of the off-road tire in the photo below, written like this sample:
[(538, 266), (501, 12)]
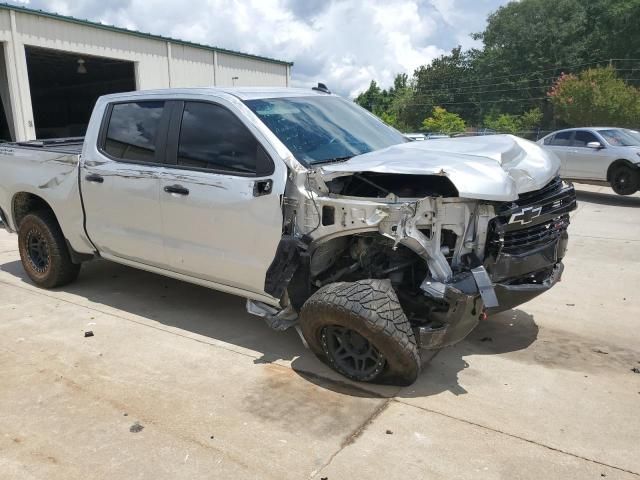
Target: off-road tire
[(371, 309), (624, 180), (59, 269)]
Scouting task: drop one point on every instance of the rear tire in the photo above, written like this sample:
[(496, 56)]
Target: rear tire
[(43, 251), (360, 330), (624, 180)]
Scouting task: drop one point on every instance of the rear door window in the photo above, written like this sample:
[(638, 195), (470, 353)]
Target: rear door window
[(562, 139), (583, 137), (132, 131)]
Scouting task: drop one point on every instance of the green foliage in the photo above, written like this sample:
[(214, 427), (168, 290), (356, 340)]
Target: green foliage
[(513, 124), (596, 96), (503, 123), (444, 122), (526, 46), (531, 119)]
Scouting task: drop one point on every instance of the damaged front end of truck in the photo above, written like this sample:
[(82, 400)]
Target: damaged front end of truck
[(458, 229)]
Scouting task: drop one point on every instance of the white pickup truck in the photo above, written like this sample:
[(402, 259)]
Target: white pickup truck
[(379, 251)]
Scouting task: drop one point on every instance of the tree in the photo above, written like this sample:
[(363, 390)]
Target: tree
[(447, 81), (373, 99), (596, 97), (444, 122), (513, 124), (531, 119), (527, 44), (502, 123)]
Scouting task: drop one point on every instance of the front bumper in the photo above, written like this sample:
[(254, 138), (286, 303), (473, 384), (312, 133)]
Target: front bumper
[(466, 308), (510, 296)]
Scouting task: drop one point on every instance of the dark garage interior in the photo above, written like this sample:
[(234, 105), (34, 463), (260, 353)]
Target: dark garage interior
[(65, 86), (5, 134)]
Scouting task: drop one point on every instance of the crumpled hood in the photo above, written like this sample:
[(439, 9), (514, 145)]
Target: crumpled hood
[(495, 167)]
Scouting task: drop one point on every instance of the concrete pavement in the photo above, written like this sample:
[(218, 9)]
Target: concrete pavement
[(543, 391)]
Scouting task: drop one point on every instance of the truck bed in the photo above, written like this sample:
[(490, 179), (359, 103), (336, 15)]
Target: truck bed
[(71, 145), (46, 170)]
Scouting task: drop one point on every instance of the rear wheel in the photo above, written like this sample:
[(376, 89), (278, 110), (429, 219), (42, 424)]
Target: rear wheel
[(360, 330), (624, 180), (43, 251)]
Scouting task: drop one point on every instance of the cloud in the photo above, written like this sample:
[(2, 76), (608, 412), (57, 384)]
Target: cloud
[(343, 43)]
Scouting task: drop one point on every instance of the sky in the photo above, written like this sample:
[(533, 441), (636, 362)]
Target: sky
[(342, 43)]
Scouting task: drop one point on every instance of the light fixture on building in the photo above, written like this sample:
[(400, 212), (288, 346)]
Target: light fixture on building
[(233, 80), (81, 68)]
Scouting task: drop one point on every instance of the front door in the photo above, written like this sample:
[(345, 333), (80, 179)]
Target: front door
[(560, 144), (120, 183), (588, 163), (221, 198)]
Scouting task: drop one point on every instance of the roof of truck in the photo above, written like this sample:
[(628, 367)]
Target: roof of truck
[(243, 93)]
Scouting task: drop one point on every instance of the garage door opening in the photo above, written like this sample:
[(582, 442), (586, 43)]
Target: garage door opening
[(5, 134), (65, 87)]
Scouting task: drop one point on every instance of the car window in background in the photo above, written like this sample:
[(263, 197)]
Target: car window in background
[(131, 133), (320, 129), (562, 139), (583, 137), (634, 133), (620, 138)]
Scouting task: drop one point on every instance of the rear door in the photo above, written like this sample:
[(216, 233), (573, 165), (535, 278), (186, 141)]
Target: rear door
[(560, 144), (588, 163), (120, 182), (220, 197)]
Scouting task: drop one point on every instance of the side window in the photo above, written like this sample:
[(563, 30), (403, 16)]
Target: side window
[(549, 140), (132, 131), (583, 137), (562, 139), (213, 138)]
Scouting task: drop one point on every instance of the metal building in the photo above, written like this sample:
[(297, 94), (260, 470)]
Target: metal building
[(53, 68)]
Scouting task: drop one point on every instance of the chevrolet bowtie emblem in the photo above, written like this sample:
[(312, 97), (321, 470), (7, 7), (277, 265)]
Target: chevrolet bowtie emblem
[(526, 215)]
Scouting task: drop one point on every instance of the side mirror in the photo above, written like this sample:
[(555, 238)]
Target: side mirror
[(596, 145)]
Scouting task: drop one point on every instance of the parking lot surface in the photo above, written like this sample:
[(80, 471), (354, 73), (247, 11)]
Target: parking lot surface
[(180, 382)]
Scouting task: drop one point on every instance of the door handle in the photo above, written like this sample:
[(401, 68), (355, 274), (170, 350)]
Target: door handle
[(94, 178), (177, 189), (262, 187)]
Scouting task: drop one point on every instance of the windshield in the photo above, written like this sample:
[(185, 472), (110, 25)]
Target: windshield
[(620, 138), (634, 133), (323, 129)]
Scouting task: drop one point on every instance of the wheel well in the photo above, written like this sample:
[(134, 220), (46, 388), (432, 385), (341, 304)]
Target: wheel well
[(616, 164), (25, 203)]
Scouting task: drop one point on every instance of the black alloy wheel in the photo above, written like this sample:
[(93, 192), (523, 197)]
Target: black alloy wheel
[(351, 353), (37, 251), (624, 180)]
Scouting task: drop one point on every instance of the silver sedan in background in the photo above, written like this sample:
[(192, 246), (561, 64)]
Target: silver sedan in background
[(599, 156)]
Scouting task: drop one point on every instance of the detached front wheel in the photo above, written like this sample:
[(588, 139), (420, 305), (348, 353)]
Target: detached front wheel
[(360, 330)]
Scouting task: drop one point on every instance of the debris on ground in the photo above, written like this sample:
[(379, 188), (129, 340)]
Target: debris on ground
[(602, 352), (136, 428), (571, 304), (635, 370), (486, 339), (389, 432), (88, 333)]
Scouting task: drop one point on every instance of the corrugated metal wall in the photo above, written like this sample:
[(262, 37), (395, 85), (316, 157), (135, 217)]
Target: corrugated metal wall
[(159, 63)]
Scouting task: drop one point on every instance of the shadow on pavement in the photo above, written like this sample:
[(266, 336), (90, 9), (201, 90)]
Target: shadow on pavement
[(222, 317), (506, 332), (611, 199)]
